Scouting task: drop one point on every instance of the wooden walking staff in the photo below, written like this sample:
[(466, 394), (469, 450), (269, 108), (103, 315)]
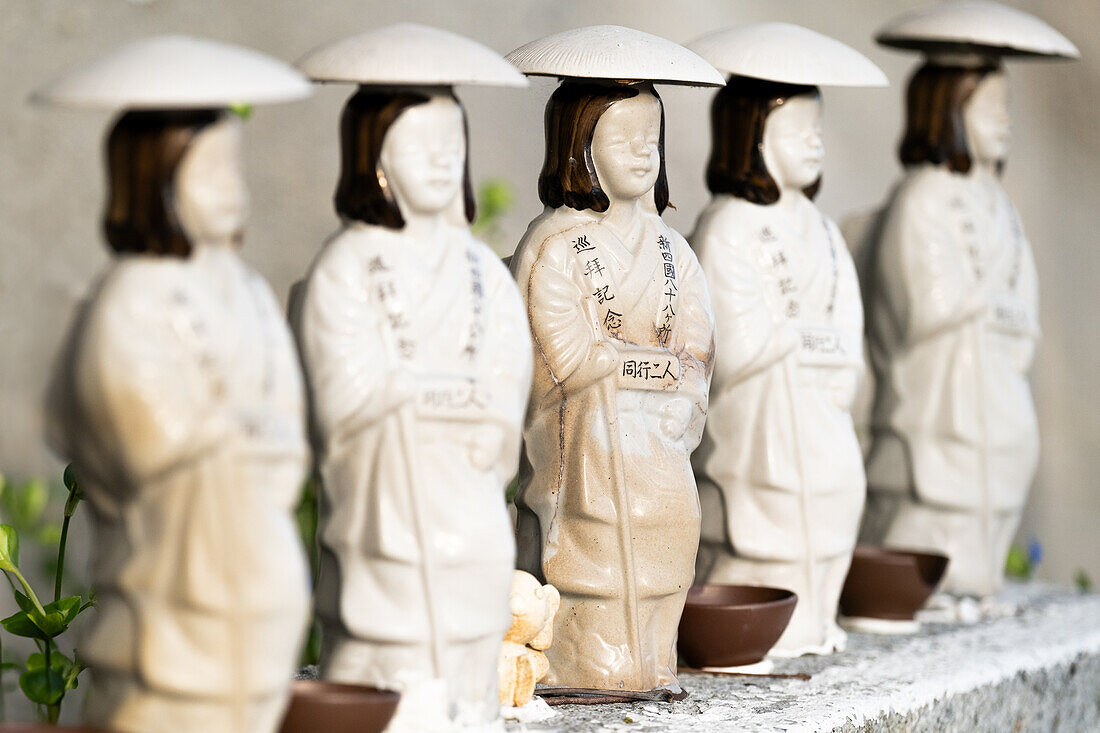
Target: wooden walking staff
[(402, 415), (607, 389)]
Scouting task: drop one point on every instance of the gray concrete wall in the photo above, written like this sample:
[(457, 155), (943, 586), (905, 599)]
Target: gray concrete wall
[(51, 178)]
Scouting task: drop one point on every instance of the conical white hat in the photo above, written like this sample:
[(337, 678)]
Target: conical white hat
[(408, 53), (171, 72), (976, 26), (788, 53), (614, 52)]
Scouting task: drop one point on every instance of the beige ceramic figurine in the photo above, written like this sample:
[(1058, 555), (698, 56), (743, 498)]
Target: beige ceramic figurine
[(418, 361), (953, 303), (623, 336), (780, 470), (179, 398), (522, 661)]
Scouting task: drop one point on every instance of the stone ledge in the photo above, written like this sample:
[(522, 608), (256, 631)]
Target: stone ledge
[(1036, 669)]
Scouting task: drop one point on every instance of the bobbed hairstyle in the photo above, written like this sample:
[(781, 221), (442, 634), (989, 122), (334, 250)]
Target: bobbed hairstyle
[(934, 128), (737, 118), (568, 176), (363, 193), (144, 152)]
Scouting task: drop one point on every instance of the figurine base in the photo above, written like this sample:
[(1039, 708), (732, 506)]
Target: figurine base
[(836, 641), (868, 625), (764, 666), (945, 608), (534, 711)]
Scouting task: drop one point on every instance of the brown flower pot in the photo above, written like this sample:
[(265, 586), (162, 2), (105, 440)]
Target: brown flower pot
[(331, 707), (889, 583), (732, 625)]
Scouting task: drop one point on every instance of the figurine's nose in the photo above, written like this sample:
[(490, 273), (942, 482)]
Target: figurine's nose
[(639, 147), (443, 157), (815, 141)]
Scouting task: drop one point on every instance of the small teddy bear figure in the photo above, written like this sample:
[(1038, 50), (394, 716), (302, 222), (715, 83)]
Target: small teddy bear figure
[(522, 662)]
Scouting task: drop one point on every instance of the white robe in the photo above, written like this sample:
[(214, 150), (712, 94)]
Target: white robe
[(623, 572), (953, 327), (780, 471), (417, 548), (179, 398)]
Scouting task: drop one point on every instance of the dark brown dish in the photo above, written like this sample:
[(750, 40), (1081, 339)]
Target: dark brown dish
[(331, 707), (890, 583), (732, 625)]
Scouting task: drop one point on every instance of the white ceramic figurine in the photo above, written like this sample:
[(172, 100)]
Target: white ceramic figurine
[(780, 470), (623, 335), (179, 398), (952, 297), (418, 362)]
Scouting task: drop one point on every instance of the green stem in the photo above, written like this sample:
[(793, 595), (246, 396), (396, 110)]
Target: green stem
[(3, 702), (29, 591), (60, 572), (53, 712)]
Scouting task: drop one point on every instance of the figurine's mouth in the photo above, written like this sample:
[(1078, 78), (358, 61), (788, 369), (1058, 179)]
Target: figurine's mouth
[(642, 170)]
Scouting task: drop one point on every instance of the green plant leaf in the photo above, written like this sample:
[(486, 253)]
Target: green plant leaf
[(60, 663), (58, 616), (76, 493), (241, 109), (48, 535), (1017, 564), (20, 624), (43, 686), (1082, 580), (30, 502), (69, 477), (68, 607), (9, 548), (24, 603)]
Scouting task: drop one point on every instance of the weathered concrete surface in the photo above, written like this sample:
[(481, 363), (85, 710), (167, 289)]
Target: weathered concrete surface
[(1037, 669), (51, 178)]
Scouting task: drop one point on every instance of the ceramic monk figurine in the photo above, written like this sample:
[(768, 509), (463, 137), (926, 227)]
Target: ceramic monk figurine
[(418, 361), (179, 398), (624, 336), (953, 303), (780, 470)]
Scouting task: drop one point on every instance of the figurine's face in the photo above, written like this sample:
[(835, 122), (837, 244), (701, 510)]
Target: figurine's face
[(424, 156), (793, 148), (985, 117), (211, 197), (626, 147)]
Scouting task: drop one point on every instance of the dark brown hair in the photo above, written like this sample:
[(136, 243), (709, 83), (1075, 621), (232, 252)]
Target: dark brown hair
[(363, 193), (737, 118), (934, 128), (568, 176), (144, 151)]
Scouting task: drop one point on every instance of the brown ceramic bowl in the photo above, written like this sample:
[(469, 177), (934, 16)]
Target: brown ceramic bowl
[(331, 707), (732, 625), (889, 583)]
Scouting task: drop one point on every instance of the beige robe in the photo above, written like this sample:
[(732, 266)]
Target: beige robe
[(780, 470), (180, 400), (609, 514), (417, 551), (953, 327)]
